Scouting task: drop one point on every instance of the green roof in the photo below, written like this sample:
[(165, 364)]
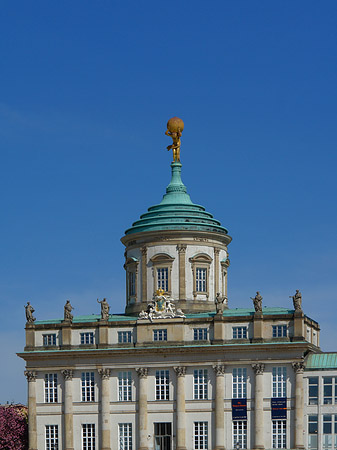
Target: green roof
[(321, 361), (176, 211)]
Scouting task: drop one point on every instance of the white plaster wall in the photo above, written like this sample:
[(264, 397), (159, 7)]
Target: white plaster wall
[(41, 422), (80, 419)]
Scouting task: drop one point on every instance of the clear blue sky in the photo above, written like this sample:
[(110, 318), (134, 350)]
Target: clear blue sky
[(86, 90)]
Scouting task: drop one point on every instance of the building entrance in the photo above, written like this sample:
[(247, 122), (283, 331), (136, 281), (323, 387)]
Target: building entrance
[(162, 436)]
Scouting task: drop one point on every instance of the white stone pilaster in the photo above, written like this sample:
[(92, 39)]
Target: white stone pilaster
[(32, 428), (219, 407), (68, 409), (298, 367), (181, 413), (259, 429), (105, 408), (142, 408)]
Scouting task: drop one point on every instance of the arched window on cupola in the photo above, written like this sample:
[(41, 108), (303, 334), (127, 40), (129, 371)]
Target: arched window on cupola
[(131, 267), (201, 264), (162, 269)]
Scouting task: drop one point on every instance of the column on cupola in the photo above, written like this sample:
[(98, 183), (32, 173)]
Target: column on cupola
[(259, 429), (182, 271), (216, 271), (144, 273), (68, 409), (105, 408), (32, 428), (142, 408), (298, 367), (219, 406), (181, 412)]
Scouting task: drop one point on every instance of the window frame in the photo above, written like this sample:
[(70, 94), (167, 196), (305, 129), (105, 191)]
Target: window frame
[(51, 437), (200, 435), (242, 329), (131, 266), (239, 433), (49, 336), (87, 336), (162, 384), (50, 388), (124, 386), (200, 384), (279, 331), (160, 335), (279, 433), (88, 387), (239, 382), (279, 382), (125, 434), (124, 336), (200, 334), (201, 261), (88, 436), (162, 261)]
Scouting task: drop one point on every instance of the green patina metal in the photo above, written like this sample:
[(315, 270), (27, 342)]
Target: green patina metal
[(176, 211), (319, 361)]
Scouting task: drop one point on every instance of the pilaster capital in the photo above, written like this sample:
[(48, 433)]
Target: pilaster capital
[(30, 375), (181, 248), (144, 250), (219, 369), (67, 373), (258, 368), (180, 371), (142, 372), (298, 366), (216, 250), (104, 373)]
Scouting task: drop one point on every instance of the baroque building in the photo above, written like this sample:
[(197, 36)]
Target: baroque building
[(180, 369)]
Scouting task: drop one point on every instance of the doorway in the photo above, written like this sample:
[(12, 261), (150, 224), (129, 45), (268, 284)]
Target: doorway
[(162, 436)]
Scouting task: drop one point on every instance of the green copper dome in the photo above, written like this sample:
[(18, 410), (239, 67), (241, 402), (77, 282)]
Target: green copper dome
[(176, 211)]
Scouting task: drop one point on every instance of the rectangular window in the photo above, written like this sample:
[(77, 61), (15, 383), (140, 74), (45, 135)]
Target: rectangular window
[(162, 435), (200, 334), (200, 384), (88, 436), (49, 339), (160, 335), (327, 390), (279, 382), (279, 434), (327, 431), (132, 283), (200, 435), (50, 388), (240, 434), (125, 436), (162, 384), (313, 390), (240, 383), (312, 432), (88, 386), (52, 437), (87, 338), (124, 337), (124, 386), (239, 332), (201, 280), (162, 277), (279, 331)]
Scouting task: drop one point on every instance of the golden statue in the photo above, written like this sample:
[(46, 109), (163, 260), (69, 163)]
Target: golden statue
[(175, 128)]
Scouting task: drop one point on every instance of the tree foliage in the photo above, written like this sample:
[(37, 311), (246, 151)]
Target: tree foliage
[(13, 427)]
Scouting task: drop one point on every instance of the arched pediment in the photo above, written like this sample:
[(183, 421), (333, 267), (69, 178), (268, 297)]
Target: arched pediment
[(161, 258), (201, 258)]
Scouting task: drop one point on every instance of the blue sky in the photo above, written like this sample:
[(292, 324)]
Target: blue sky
[(86, 91)]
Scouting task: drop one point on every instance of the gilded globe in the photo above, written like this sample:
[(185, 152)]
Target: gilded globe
[(175, 123)]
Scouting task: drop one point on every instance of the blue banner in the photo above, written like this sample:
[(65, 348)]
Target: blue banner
[(279, 408), (239, 409)]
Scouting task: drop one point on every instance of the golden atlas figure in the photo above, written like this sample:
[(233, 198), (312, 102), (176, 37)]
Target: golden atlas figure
[(175, 127)]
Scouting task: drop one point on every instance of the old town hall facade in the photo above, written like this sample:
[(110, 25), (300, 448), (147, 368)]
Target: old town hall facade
[(180, 369)]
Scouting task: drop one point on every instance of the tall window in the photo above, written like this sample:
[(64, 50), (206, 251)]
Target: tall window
[(87, 337), (200, 435), (201, 279), (162, 278), (313, 390), (327, 431), (88, 386), (279, 331), (132, 283), (49, 339), (279, 381), (52, 437), (124, 337), (125, 436), (200, 384), (312, 432), (124, 386), (240, 433), (88, 436), (50, 388), (279, 434), (200, 334), (239, 332), (327, 390), (240, 383), (160, 335), (162, 384)]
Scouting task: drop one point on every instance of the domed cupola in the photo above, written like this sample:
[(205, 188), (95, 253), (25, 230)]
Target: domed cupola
[(176, 246)]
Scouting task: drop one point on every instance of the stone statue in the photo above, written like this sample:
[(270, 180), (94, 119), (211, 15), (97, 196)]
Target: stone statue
[(67, 312), (257, 300), (175, 127), (105, 308), (221, 302), (29, 313), (297, 300)]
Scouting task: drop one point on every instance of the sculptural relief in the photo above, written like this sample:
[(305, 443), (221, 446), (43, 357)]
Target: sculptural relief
[(162, 307)]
